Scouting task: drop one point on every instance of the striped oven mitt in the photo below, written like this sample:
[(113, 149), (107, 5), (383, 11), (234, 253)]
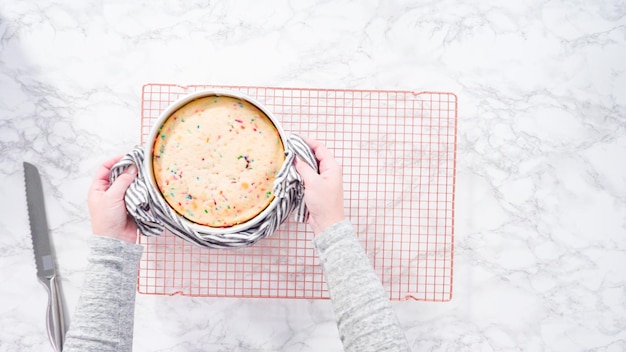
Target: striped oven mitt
[(153, 215)]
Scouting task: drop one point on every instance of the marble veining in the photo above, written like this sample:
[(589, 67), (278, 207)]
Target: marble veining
[(540, 245)]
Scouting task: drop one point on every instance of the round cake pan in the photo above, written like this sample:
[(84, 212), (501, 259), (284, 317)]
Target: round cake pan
[(172, 108)]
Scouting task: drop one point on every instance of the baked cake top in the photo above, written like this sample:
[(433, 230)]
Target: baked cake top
[(215, 160)]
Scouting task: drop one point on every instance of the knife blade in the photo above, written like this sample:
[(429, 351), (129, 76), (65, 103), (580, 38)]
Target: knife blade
[(44, 257)]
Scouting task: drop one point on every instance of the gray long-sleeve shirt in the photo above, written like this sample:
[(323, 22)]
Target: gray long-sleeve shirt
[(103, 320), (365, 318)]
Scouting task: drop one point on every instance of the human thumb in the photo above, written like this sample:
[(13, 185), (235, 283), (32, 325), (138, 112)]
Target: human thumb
[(123, 181), (306, 172)]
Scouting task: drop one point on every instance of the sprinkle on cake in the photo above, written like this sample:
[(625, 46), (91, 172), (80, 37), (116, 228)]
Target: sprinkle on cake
[(215, 160)]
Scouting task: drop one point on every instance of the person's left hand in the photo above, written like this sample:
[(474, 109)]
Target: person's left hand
[(106, 203)]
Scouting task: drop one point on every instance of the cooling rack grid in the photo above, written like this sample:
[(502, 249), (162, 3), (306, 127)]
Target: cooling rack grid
[(398, 155)]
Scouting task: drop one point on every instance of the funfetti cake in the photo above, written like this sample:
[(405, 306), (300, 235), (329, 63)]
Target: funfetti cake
[(215, 160)]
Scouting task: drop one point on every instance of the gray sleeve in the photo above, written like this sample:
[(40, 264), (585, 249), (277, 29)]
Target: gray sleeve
[(365, 318), (103, 320)]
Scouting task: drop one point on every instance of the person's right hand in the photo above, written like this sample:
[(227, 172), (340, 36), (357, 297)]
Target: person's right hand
[(323, 192)]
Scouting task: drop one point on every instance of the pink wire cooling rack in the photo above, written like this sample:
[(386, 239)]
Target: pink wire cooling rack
[(398, 154)]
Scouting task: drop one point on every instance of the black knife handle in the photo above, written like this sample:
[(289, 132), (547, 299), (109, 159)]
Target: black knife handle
[(55, 323)]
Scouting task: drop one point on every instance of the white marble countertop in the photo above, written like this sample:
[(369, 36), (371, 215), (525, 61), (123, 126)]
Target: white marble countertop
[(540, 251)]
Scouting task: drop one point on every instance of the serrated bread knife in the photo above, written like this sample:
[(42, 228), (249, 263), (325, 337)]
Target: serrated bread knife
[(44, 259)]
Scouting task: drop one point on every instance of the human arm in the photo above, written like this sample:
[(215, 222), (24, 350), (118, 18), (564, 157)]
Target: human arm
[(365, 318), (103, 320)]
